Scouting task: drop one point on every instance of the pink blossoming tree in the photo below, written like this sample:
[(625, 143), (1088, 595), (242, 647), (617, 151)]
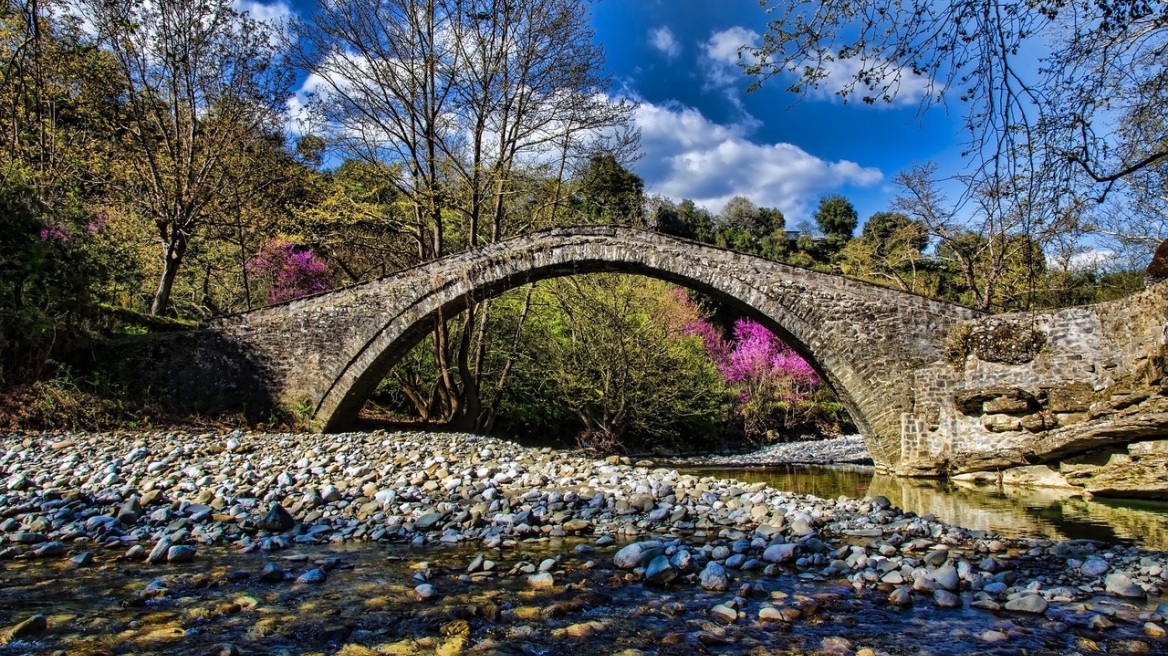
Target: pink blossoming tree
[(290, 270)]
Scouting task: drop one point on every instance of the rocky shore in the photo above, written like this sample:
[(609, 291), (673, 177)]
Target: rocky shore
[(642, 559), (843, 450)]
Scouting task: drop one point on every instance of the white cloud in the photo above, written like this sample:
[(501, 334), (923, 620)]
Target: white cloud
[(905, 87), (1087, 260), (686, 155), (721, 55), (276, 13), (662, 39)]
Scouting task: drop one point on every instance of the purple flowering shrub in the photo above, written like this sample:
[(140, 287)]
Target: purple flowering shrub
[(772, 387), (289, 270)]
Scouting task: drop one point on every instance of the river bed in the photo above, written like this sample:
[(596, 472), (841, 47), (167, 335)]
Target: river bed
[(413, 543)]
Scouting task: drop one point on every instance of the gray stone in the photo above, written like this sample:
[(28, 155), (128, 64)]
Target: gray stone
[(629, 556), (180, 553), (1027, 603), (1121, 585), (425, 592), (780, 553), (314, 575), (946, 599), (660, 571), (278, 520), (714, 578)]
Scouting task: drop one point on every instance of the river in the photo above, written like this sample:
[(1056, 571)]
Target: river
[(1011, 512)]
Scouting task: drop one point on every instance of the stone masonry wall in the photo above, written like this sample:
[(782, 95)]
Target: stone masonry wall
[(1092, 379), (325, 354)]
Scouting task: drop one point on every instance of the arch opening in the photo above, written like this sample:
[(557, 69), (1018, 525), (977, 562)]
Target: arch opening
[(613, 362), (494, 272)]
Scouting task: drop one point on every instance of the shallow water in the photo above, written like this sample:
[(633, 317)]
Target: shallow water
[(366, 606), (1011, 512)]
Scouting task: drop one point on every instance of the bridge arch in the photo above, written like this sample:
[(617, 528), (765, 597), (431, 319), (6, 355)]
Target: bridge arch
[(329, 351)]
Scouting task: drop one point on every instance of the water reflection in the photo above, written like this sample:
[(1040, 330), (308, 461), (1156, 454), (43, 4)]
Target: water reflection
[(1013, 512)]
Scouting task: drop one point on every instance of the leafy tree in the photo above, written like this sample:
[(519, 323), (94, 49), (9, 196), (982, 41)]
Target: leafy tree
[(289, 270), (836, 218), (610, 193), (609, 356), (890, 250), (200, 81)]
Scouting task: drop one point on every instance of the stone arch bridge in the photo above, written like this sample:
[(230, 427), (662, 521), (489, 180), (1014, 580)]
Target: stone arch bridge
[(883, 351)]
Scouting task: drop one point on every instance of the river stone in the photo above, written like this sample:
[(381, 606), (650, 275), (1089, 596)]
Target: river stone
[(1094, 567), (428, 521), (272, 573), (714, 578), (314, 575), (1100, 623), (1027, 603), (900, 597), (158, 553), (1120, 585), (724, 613), (28, 537), (991, 636), (180, 553), (780, 553), (947, 578), (577, 525), (771, 614), (946, 599), (425, 592), (83, 559), (49, 550), (1154, 630), (542, 581), (802, 525), (130, 510), (30, 628), (660, 571), (629, 556), (278, 520), (936, 558)]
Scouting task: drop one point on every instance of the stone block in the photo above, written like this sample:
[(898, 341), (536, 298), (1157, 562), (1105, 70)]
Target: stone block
[(1001, 423), (1072, 398)]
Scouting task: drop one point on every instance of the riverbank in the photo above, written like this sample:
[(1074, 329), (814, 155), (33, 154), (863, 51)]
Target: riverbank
[(444, 543), (842, 450)]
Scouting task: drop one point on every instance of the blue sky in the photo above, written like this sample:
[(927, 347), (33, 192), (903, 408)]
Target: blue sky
[(705, 138)]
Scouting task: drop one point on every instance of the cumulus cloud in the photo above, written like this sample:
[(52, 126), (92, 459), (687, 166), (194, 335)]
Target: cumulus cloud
[(686, 155), (663, 40), (276, 12), (720, 55)]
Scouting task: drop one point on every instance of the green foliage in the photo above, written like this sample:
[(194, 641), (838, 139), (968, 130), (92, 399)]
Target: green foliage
[(837, 219), (606, 355), (610, 193)]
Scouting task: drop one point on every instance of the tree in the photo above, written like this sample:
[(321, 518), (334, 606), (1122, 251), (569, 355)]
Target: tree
[(200, 81), (1060, 135), (470, 108), (890, 250), (612, 357), (836, 218), (610, 193), (997, 258)]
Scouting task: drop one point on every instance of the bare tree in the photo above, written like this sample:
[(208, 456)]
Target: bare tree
[(1047, 86), (201, 80), (460, 100)]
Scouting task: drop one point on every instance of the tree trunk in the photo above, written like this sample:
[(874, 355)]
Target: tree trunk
[(174, 255)]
